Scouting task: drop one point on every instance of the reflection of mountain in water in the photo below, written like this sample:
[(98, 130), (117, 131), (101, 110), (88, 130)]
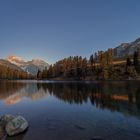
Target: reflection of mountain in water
[(13, 92), (116, 96), (9, 88)]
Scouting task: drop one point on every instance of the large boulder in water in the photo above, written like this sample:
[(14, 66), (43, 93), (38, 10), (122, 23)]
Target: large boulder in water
[(3, 121), (16, 126)]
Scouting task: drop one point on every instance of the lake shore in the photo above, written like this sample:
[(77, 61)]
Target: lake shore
[(92, 79)]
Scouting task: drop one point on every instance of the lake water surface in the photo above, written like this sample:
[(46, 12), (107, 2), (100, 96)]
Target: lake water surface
[(74, 110)]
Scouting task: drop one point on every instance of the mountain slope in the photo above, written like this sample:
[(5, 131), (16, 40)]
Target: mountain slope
[(31, 67), (127, 49), (15, 60), (11, 71), (6, 63)]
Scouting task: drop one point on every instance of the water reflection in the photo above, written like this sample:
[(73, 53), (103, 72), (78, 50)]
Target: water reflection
[(13, 92), (116, 96)]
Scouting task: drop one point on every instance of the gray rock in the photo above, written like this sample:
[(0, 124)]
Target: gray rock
[(5, 119), (16, 126)]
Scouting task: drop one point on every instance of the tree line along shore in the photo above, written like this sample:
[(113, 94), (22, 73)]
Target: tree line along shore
[(100, 66)]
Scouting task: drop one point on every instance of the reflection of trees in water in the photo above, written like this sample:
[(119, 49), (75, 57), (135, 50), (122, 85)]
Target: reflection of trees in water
[(116, 96), (138, 98), (68, 92)]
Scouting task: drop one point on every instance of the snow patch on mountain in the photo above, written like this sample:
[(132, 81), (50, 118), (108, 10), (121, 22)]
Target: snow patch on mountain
[(31, 67), (15, 60)]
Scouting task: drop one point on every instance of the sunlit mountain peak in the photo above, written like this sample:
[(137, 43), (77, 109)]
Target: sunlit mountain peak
[(15, 59), (31, 67)]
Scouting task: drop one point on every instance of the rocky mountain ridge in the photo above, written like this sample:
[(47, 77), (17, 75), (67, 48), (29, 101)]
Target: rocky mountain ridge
[(127, 49), (30, 67)]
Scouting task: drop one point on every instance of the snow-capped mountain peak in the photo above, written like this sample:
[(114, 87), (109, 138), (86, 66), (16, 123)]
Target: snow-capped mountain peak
[(31, 67), (16, 60)]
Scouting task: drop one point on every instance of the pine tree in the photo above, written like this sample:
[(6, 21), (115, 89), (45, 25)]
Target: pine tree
[(136, 61), (128, 62)]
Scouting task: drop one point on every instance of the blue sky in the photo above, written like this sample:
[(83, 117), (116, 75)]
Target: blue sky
[(54, 29)]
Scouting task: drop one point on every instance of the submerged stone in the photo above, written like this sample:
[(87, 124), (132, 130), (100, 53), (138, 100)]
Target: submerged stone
[(16, 126)]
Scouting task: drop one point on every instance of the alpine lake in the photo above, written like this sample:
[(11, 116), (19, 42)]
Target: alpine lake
[(76, 110)]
